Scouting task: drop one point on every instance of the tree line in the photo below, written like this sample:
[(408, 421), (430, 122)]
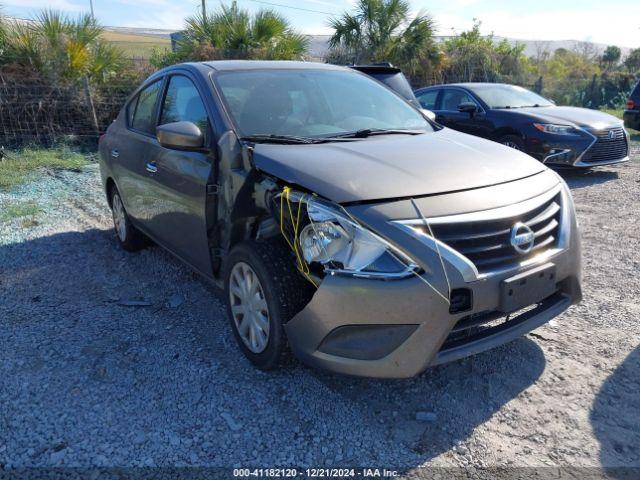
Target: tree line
[(63, 50)]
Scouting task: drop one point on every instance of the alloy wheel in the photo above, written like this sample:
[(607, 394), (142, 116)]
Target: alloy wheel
[(249, 307), (511, 144), (119, 218)]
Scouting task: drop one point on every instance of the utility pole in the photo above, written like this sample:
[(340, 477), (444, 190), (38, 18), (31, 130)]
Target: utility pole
[(204, 9), (91, 5)]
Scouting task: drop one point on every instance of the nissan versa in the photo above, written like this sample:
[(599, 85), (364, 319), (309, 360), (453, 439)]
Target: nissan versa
[(521, 119), (341, 222)]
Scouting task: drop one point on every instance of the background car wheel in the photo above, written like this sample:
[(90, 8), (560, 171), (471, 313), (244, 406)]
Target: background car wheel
[(264, 291), (130, 238), (512, 141)]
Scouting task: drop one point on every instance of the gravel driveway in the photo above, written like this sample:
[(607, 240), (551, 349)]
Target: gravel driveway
[(116, 359)]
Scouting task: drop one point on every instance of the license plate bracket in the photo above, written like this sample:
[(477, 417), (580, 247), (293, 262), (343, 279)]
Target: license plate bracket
[(527, 288)]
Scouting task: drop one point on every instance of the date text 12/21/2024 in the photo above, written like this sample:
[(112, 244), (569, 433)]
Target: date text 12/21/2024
[(314, 473)]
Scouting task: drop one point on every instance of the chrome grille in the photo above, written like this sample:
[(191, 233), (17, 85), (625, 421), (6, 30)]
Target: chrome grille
[(487, 243), (606, 147)]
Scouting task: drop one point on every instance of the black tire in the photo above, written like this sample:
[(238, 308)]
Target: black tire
[(285, 291), (129, 238), (512, 141)]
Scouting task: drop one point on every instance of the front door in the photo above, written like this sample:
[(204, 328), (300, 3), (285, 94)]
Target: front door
[(450, 116), (178, 197)]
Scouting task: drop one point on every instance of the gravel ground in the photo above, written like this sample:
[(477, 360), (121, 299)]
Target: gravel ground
[(87, 379)]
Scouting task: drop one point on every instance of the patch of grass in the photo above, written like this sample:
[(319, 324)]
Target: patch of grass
[(19, 210), (19, 166)]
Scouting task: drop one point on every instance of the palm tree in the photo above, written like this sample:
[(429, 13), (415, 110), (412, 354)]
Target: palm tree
[(231, 32), (383, 30), (63, 48)]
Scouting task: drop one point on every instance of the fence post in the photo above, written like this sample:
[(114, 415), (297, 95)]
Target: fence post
[(92, 109)]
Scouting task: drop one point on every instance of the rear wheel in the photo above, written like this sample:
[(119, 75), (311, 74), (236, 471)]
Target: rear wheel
[(264, 291), (130, 238), (512, 141)]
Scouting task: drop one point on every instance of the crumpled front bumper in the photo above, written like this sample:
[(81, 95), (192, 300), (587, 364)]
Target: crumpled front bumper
[(397, 328)]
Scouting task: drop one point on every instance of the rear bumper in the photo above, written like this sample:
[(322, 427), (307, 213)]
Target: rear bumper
[(632, 119), (398, 328)]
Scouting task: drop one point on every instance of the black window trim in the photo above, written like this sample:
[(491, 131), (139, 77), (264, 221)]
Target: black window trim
[(155, 112)]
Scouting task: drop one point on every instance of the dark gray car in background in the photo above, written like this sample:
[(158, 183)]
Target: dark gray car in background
[(340, 221)]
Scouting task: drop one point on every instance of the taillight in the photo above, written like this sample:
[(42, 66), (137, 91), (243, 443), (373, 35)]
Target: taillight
[(631, 104)]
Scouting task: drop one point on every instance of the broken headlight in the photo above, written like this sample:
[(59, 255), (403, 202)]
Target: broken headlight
[(341, 245)]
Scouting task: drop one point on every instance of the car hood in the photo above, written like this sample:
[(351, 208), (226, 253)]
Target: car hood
[(395, 166), (582, 117)]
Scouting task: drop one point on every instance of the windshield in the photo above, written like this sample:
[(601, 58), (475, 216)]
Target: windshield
[(313, 103), (509, 96)]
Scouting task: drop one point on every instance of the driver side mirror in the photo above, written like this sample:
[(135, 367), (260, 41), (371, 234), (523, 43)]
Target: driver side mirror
[(468, 107), (180, 136)]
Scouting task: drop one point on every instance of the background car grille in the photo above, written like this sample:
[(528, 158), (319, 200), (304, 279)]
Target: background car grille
[(605, 148), (488, 243)]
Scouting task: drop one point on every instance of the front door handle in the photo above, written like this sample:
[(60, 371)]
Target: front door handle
[(115, 153), (152, 167)]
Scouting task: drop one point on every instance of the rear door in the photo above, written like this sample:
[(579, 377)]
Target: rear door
[(179, 179), (130, 149)]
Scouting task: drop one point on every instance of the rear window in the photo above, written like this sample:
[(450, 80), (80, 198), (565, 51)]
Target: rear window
[(636, 91), (398, 83)]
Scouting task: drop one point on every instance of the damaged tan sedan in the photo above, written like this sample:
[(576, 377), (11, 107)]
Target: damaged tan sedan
[(343, 224)]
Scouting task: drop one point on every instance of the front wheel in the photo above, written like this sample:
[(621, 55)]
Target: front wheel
[(512, 141), (264, 291)]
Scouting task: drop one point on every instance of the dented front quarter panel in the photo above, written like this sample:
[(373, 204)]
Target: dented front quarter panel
[(347, 300)]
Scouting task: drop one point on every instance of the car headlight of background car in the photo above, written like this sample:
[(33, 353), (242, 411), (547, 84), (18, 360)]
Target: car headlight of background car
[(556, 129), (341, 245)]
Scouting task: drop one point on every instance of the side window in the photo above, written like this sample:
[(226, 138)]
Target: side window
[(182, 103), (452, 98), (428, 99), (142, 118)]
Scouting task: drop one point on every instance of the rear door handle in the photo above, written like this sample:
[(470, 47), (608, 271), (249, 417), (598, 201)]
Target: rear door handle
[(152, 167), (115, 153)]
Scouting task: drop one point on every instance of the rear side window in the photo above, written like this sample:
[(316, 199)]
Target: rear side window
[(183, 103), (428, 99), (141, 109)]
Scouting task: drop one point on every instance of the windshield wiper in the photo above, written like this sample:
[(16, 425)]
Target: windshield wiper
[(271, 138), (510, 107), (368, 132)]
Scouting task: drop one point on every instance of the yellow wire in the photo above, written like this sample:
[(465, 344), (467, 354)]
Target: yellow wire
[(303, 267)]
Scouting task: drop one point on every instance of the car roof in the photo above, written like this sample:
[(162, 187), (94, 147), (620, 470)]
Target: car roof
[(469, 85), (225, 65)]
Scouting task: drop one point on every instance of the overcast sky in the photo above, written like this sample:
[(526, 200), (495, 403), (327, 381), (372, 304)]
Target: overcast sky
[(612, 22)]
